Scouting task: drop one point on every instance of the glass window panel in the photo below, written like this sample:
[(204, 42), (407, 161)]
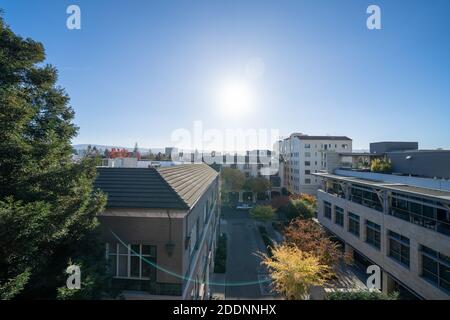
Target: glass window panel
[(444, 258), (443, 215), (415, 208), (134, 266), (429, 264), (444, 272), (445, 285), (147, 270), (123, 266), (430, 276), (113, 264), (149, 250), (112, 248), (123, 249), (429, 212), (135, 249)]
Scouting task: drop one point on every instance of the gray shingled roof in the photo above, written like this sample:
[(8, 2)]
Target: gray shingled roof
[(189, 181), (176, 187)]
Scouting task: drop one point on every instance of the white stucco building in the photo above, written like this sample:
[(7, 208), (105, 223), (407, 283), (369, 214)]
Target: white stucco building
[(302, 155)]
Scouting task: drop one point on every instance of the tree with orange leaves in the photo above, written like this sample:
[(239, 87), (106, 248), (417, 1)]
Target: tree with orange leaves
[(309, 236)]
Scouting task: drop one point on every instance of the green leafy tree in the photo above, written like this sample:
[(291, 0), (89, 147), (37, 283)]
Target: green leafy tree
[(381, 165), (298, 208), (262, 213), (233, 179), (257, 184), (295, 272), (47, 205)]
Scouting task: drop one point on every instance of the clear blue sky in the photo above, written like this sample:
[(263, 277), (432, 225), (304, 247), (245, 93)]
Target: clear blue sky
[(137, 70)]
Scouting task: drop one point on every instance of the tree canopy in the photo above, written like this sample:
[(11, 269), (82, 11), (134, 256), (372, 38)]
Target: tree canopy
[(309, 236), (233, 178), (257, 184), (47, 205), (262, 213), (381, 165), (295, 272)]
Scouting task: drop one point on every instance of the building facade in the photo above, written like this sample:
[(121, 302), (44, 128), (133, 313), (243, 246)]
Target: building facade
[(400, 223), (160, 227), (303, 155)]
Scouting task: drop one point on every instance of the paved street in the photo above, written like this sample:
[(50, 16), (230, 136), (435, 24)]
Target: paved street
[(243, 266)]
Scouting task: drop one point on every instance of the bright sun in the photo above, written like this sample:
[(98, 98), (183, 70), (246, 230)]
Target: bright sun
[(236, 98)]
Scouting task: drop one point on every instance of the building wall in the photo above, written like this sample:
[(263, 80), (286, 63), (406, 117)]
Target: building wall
[(383, 147), (185, 266), (299, 158), (417, 235), (197, 262), (152, 228), (426, 163)]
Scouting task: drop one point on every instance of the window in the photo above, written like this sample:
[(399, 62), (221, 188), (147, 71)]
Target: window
[(307, 163), (353, 224), (307, 146), (327, 209), (307, 181), (307, 171), (132, 261), (435, 268), (339, 216), (365, 196), (373, 234), (426, 213), (398, 248), (307, 154)]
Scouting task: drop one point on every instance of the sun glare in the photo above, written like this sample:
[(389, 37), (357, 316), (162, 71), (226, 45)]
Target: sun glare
[(236, 98)]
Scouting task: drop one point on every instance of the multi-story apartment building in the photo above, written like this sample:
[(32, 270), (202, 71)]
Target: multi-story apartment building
[(399, 222), (253, 163), (160, 228), (302, 155)]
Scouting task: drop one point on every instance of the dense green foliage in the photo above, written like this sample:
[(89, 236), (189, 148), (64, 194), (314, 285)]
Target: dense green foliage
[(298, 208), (381, 165), (361, 295), (220, 259), (47, 205), (257, 184), (233, 179), (262, 213)]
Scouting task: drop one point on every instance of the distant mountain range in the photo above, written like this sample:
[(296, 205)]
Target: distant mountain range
[(103, 147)]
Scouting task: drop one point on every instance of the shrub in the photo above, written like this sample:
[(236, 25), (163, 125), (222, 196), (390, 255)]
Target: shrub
[(361, 295), (220, 259), (381, 165), (279, 202), (298, 208), (262, 213)]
